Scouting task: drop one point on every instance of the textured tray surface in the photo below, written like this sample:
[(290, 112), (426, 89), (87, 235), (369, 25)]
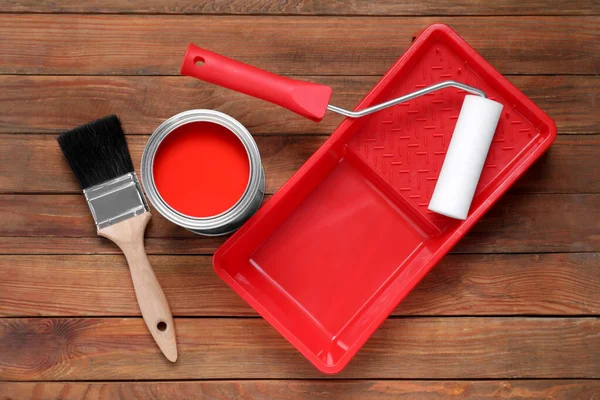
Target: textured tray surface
[(406, 144)]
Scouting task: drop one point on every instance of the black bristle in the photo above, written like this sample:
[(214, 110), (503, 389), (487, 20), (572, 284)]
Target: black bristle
[(97, 152)]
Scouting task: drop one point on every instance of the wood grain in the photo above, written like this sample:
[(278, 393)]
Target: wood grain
[(34, 164), (549, 284), (308, 7), (475, 325), (517, 223), (541, 223), (50, 104), (403, 348), (154, 45), (89, 245), (306, 390)]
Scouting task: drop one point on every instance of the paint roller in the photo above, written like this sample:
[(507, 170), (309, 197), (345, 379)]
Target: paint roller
[(466, 153), (465, 157)]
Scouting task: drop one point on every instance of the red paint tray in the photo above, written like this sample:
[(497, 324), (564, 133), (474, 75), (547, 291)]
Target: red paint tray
[(330, 256)]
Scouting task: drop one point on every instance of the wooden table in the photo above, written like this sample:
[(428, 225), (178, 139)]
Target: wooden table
[(511, 313)]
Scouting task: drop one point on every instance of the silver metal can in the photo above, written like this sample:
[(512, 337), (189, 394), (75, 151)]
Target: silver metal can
[(229, 220)]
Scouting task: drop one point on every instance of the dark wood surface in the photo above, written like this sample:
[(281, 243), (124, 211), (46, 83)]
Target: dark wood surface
[(76, 44), (308, 390), (571, 100), (512, 313), (309, 7), (238, 348), (463, 284)]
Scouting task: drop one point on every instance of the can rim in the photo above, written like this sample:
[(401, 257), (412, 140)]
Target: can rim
[(227, 217)]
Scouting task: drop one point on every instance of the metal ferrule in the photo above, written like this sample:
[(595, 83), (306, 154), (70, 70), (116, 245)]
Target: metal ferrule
[(116, 200)]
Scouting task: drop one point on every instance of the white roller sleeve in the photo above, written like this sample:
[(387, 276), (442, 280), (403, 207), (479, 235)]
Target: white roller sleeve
[(465, 157)]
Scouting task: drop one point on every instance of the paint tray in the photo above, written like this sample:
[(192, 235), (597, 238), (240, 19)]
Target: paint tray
[(331, 255)]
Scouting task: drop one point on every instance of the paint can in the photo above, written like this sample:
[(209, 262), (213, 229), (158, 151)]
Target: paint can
[(193, 170)]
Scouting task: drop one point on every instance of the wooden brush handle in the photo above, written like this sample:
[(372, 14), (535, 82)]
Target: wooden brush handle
[(129, 236)]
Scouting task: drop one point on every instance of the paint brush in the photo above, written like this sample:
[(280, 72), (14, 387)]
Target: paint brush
[(99, 157)]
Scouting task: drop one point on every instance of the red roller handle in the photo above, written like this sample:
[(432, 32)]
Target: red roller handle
[(305, 98)]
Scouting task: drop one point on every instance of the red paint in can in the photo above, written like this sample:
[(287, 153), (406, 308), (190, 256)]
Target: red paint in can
[(201, 169)]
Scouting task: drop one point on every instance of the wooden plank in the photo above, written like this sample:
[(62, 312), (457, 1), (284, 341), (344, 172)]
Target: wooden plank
[(568, 155), (154, 45), (69, 101), (537, 223), (307, 7), (405, 348), (518, 223), (34, 164), (548, 284), (96, 245), (306, 390)]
